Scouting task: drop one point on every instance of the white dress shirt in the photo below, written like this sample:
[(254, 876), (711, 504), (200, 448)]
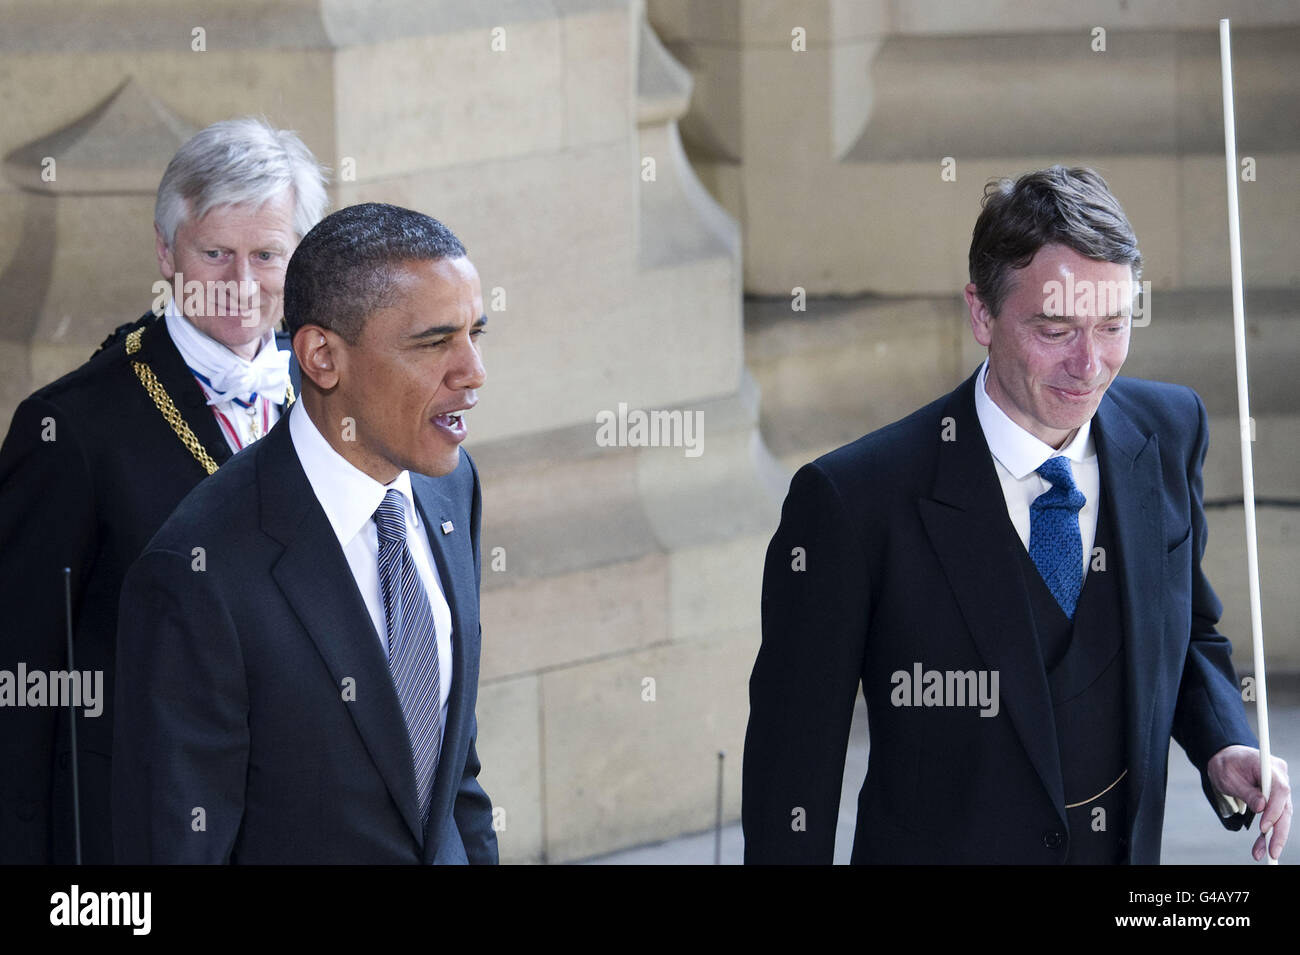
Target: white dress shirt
[(1017, 455), (266, 410), (350, 498)]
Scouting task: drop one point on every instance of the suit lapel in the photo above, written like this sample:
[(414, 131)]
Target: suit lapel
[(460, 589), (1130, 473), (967, 523), (315, 578)]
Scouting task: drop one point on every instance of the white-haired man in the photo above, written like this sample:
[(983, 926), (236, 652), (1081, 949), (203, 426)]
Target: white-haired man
[(160, 406)]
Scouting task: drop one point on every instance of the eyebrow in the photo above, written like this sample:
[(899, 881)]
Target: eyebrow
[(439, 330), (1042, 318), (274, 242)]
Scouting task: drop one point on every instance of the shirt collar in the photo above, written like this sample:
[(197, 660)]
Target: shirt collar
[(347, 494), (1015, 448)]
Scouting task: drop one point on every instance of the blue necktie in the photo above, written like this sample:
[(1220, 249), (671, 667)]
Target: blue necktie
[(1054, 543), (412, 644)]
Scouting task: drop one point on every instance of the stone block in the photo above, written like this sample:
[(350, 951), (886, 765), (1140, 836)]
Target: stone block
[(517, 106), (714, 22), (846, 367), (1278, 534), (510, 750), (538, 625), (598, 76), (714, 588), (1277, 438), (622, 771), (1269, 209), (552, 516)]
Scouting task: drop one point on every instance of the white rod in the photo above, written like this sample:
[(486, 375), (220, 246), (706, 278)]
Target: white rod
[(1243, 415)]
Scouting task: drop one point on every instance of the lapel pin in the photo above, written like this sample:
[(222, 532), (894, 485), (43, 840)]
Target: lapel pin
[(447, 527)]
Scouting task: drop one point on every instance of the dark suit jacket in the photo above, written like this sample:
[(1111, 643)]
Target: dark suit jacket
[(256, 689), (89, 499), (909, 559)]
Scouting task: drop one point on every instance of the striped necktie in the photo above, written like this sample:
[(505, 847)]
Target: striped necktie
[(1055, 546), (412, 644)]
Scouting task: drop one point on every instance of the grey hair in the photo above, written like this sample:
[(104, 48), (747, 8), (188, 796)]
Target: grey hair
[(243, 160)]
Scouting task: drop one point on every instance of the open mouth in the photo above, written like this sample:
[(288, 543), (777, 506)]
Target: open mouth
[(452, 424)]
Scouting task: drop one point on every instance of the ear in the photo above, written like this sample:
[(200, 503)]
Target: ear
[(981, 319), (320, 352), (166, 263)]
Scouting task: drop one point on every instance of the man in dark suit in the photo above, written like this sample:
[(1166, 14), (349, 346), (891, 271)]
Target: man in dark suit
[(300, 641), (95, 462), (1013, 572)]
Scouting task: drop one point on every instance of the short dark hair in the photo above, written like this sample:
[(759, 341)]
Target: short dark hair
[(1070, 207), (342, 270)]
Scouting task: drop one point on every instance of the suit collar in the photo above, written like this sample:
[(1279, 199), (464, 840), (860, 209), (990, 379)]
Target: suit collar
[(1120, 432)]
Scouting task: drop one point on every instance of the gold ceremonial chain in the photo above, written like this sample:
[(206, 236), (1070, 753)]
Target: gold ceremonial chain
[(168, 407)]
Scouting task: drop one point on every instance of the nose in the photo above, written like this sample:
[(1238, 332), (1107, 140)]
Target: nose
[(246, 291), (468, 372), (239, 269), (1083, 362)]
